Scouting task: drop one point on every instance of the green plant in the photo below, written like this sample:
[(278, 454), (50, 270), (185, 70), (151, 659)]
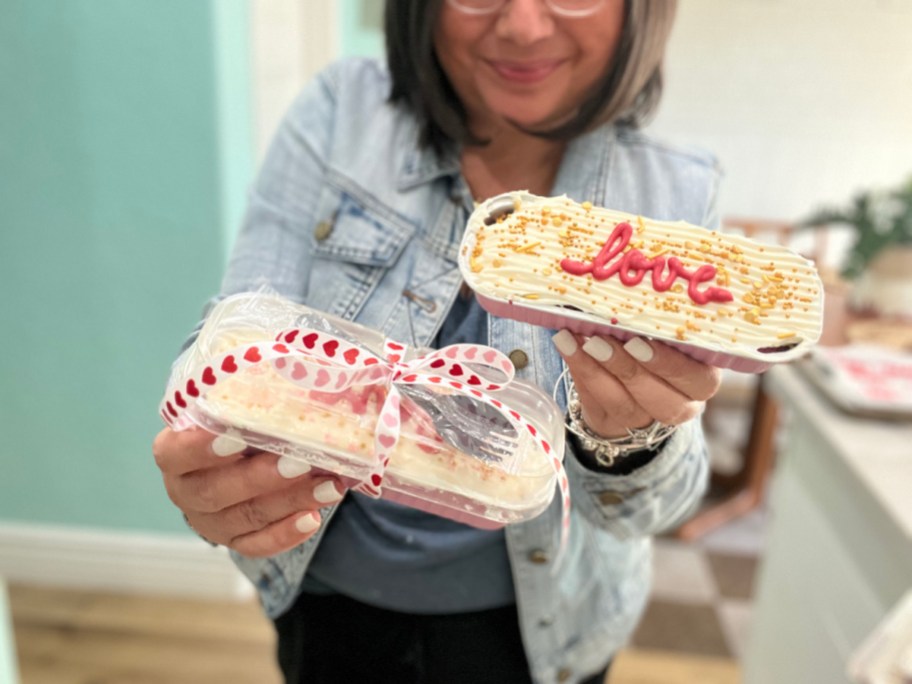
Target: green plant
[(879, 219)]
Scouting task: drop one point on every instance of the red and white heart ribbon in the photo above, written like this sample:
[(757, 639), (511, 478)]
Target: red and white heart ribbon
[(318, 360)]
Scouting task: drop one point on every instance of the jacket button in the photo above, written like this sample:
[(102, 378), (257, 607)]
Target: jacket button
[(563, 674), (323, 230), (610, 498), (538, 556), (519, 358)]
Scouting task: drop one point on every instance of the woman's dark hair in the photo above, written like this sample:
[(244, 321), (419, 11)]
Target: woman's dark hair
[(628, 93)]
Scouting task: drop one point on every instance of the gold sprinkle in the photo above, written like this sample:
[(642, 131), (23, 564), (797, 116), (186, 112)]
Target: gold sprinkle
[(587, 206), (531, 295), (753, 316), (785, 335)]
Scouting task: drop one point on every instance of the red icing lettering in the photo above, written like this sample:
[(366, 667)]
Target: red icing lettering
[(631, 267)]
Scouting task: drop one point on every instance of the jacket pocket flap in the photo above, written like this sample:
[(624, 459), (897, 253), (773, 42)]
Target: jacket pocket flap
[(347, 230)]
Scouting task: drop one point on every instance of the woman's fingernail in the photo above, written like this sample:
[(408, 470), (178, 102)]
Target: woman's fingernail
[(326, 492), (227, 444), (565, 342), (639, 349), (292, 467), (598, 349), (307, 523)]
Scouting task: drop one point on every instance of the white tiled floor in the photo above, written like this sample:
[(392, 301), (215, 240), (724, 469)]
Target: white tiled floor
[(682, 573), (685, 583), (735, 617), (746, 535)]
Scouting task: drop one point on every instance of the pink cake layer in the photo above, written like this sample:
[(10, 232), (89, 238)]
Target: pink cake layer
[(585, 326)]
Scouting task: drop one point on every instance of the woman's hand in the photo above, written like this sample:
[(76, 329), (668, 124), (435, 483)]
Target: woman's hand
[(631, 385), (258, 505)]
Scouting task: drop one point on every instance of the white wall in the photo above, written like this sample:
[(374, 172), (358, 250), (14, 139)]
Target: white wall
[(804, 101), (291, 40)]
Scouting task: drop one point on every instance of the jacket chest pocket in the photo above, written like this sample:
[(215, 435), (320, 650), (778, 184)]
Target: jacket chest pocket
[(354, 245)]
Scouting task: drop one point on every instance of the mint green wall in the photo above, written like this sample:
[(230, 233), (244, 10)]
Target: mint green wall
[(361, 28), (125, 152)]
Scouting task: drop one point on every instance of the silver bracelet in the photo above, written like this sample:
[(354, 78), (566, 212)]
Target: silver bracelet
[(607, 450)]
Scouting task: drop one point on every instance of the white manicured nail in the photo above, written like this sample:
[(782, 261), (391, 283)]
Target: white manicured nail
[(326, 492), (227, 444), (292, 467), (565, 342), (598, 349), (639, 349), (307, 523)]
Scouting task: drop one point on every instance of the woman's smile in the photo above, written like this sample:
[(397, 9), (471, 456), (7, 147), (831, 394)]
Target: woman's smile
[(525, 72)]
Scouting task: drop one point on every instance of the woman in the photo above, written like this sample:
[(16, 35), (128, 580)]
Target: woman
[(358, 211)]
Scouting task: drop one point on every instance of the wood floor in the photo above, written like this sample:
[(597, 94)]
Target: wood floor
[(82, 637)]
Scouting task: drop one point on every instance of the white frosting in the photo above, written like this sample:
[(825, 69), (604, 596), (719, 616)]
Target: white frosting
[(777, 294)]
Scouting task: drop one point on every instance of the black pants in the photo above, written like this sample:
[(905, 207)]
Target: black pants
[(335, 640)]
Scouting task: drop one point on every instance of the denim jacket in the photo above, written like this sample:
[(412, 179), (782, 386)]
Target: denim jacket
[(351, 216)]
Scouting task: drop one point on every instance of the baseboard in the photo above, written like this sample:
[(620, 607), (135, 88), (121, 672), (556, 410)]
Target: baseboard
[(136, 562)]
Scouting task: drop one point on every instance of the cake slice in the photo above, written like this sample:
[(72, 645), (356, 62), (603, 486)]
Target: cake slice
[(455, 456), (723, 299)]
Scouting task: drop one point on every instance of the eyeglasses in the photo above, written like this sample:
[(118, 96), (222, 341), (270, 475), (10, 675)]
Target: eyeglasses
[(565, 8)]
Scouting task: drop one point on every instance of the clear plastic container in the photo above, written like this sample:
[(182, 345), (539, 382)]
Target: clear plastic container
[(457, 456)]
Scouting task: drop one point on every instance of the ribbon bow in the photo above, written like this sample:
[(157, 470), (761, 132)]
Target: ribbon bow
[(317, 360)]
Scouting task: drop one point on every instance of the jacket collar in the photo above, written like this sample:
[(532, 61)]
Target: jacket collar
[(421, 165), (585, 165)]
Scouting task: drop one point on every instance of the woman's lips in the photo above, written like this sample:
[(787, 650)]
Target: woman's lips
[(525, 72)]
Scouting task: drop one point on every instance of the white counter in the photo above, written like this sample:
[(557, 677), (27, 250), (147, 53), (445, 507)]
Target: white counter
[(839, 547)]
